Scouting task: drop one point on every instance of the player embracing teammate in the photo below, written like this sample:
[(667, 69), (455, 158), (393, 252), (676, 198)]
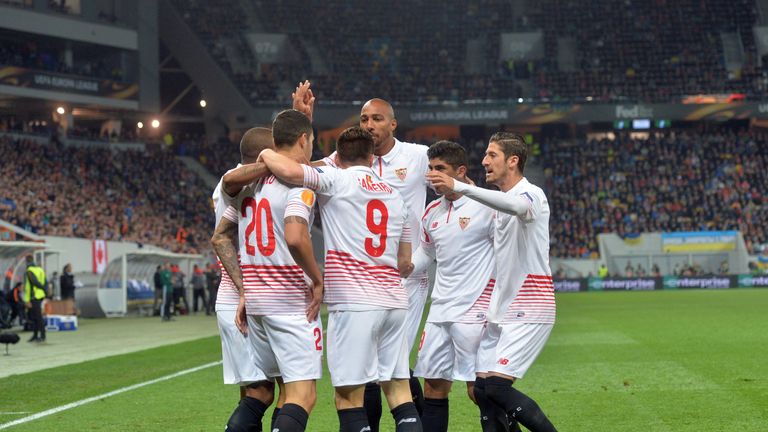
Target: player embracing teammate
[(372, 196)]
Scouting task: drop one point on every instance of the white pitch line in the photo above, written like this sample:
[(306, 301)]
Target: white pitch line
[(104, 396)]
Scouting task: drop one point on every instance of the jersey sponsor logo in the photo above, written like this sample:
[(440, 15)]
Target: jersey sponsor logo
[(401, 173), (434, 225), (308, 198), (502, 361), (463, 223), (368, 184)]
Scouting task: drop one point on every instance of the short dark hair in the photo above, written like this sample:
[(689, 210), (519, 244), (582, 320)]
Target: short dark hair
[(354, 144), (288, 126), (512, 144), (29, 258), (253, 142), (450, 152)]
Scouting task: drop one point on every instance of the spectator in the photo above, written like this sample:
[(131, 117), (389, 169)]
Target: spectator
[(198, 288), (34, 294), (212, 279), (67, 283), (159, 286)]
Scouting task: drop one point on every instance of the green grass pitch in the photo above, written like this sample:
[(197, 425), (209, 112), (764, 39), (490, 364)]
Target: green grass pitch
[(616, 361)]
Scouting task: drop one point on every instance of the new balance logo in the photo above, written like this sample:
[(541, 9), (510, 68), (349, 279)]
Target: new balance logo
[(406, 420), (366, 429)]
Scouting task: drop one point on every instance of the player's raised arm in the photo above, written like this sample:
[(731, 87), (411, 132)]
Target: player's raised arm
[(283, 167), (238, 178), (497, 200)]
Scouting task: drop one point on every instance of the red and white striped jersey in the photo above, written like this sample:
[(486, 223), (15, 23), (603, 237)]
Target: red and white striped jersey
[(404, 169), (274, 284), (459, 236), (364, 220), (227, 296), (524, 290)]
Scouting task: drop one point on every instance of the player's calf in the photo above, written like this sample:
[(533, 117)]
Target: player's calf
[(247, 416), (434, 418), (517, 405), (372, 405)]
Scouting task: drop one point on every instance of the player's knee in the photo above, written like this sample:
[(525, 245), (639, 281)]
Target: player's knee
[(436, 388), (498, 393), (471, 393), (262, 390)]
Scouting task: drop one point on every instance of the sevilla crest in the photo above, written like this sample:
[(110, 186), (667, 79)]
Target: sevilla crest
[(401, 173), (463, 223)]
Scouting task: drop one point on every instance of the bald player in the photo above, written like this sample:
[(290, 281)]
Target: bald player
[(256, 392), (401, 165)]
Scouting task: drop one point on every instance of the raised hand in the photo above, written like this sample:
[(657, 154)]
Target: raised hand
[(440, 181), (304, 99)]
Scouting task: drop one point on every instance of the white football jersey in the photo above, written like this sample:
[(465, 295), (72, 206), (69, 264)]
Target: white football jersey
[(274, 284), (404, 169), (227, 296), (459, 236), (364, 221), (524, 290)]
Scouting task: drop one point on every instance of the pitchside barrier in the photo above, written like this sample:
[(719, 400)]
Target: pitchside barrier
[(659, 283)]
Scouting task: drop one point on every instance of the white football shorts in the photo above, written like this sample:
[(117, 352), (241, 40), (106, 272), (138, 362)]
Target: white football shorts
[(417, 290), (510, 349), (366, 346), (236, 352), (287, 346), (448, 351)]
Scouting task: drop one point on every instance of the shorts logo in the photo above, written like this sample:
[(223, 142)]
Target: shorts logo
[(503, 361), (401, 173), (308, 198), (434, 225), (520, 314), (463, 223)]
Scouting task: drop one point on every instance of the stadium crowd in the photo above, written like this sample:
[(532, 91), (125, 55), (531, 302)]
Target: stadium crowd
[(678, 181), (623, 54), (146, 197), (40, 55)]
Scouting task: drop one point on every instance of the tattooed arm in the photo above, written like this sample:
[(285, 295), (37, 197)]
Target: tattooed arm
[(236, 179), (224, 242)]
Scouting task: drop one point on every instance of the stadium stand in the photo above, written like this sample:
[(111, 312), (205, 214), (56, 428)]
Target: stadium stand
[(146, 197), (684, 181), (644, 51)]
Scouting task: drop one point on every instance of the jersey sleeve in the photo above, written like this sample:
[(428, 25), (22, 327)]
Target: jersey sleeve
[(320, 179), (300, 202), (230, 214), (517, 205), (534, 205), (330, 160), (406, 236)]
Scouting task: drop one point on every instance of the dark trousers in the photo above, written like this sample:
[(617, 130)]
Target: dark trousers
[(158, 303), (198, 293), (180, 294), (212, 293), (36, 316), (167, 301)]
